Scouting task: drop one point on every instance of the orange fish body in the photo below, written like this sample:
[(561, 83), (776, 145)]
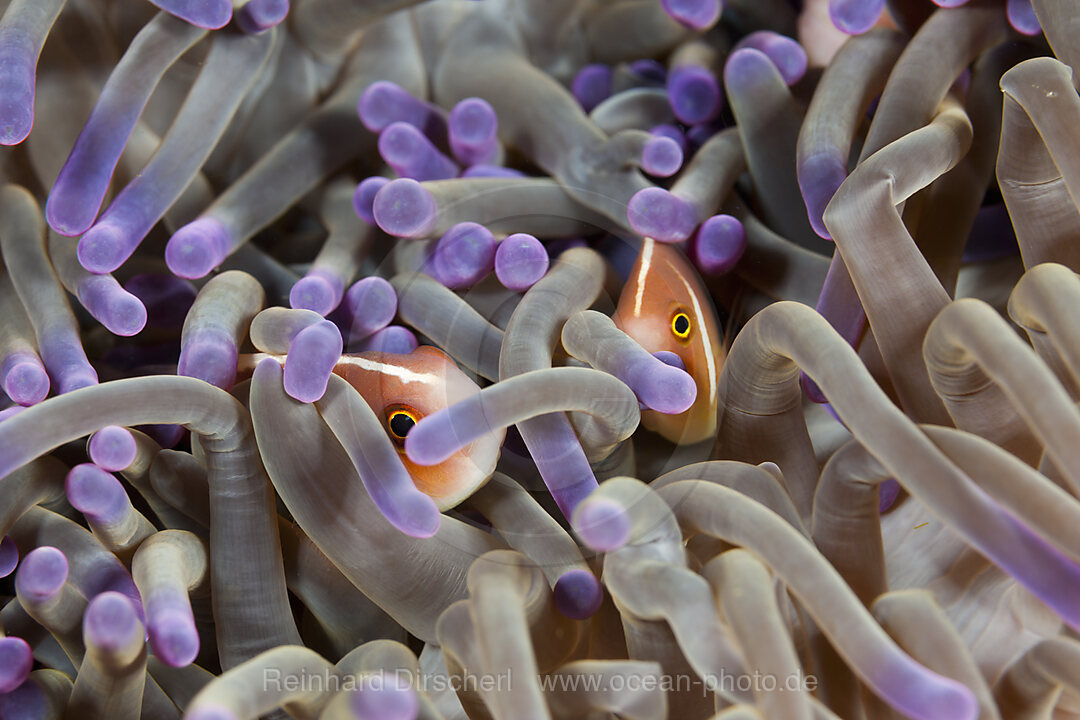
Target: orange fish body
[(664, 306), (402, 389)]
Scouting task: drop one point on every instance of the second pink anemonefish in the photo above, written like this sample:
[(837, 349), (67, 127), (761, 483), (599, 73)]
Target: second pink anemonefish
[(664, 306)]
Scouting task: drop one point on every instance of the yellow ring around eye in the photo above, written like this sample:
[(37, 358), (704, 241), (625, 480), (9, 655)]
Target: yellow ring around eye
[(681, 325), (400, 419)]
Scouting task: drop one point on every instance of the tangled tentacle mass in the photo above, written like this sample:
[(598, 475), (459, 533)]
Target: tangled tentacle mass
[(539, 359)]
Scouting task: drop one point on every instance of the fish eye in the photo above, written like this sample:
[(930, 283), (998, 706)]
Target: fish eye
[(680, 325), (400, 419)]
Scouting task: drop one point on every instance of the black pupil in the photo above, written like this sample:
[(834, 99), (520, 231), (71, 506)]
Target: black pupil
[(682, 324), (401, 424)]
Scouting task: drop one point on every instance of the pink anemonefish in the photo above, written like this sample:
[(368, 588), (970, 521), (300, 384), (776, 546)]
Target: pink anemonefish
[(664, 306), (402, 389)]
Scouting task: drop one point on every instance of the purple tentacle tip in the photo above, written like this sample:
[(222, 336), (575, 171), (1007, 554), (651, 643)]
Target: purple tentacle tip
[(473, 127), (261, 15), (95, 493), (17, 85), (197, 248), (10, 412), (694, 94), (42, 573), (403, 208), (700, 134), (383, 103), (319, 291), (121, 312), (671, 131), (25, 379), (412, 155), (696, 14), (656, 213), (364, 197), (921, 693), (62, 215), (747, 67), (75, 376), (520, 261), (9, 556), (888, 491), (820, 176), (393, 339), (811, 389), (312, 356), (718, 244), (463, 255), (602, 524), (26, 702), (786, 54), (578, 594), (210, 356), (209, 14), (210, 712), (1022, 17), (372, 303), (669, 358), (661, 157), (433, 440), (592, 85), (103, 248), (660, 386), (110, 621), (409, 510), (650, 70), (855, 17), (173, 638), (376, 102), (16, 661), (496, 171), (385, 698), (112, 448)]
